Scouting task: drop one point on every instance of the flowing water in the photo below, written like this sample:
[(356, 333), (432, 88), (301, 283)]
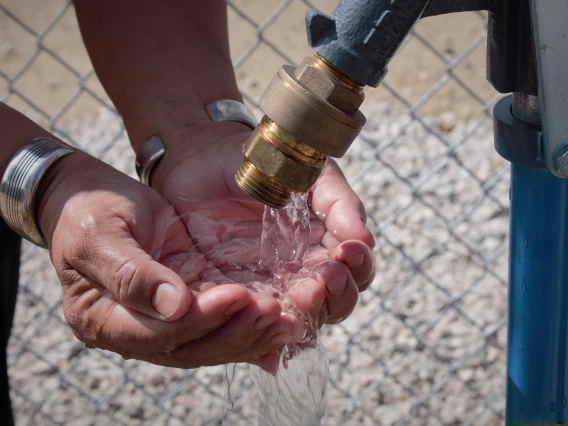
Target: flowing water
[(296, 394)]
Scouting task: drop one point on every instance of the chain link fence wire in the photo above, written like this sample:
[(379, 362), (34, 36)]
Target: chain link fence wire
[(426, 344)]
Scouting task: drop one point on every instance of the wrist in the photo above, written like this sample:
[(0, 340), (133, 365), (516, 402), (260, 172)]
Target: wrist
[(171, 115), (151, 154), (64, 180), (200, 142)]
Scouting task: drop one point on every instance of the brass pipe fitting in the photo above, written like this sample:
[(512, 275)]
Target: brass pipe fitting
[(311, 112)]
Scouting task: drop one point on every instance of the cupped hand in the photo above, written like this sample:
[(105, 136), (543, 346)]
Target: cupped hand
[(109, 238), (225, 225)]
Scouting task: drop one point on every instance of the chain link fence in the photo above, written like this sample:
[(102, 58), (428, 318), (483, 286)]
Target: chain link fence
[(427, 343)]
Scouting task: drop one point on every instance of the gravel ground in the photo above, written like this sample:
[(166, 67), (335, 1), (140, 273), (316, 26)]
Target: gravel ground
[(426, 345)]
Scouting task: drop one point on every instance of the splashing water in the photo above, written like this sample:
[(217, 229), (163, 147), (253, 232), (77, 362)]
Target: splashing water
[(285, 236), (296, 394)]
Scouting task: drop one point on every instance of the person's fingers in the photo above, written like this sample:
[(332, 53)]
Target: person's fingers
[(357, 256), (245, 327), (308, 295), (110, 256), (287, 329), (240, 336), (329, 296), (360, 260), (268, 362), (341, 291), (99, 320), (334, 203), (337, 280)]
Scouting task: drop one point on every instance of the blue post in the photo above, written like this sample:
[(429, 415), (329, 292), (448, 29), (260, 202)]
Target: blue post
[(537, 383)]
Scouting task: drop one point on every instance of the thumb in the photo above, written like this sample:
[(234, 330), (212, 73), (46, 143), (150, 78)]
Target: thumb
[(117, 262)]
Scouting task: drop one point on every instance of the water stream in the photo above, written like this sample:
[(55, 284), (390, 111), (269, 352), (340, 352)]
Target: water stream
[(296, 394)]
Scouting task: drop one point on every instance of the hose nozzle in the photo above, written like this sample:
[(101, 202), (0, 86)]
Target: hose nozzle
[(311, 112)]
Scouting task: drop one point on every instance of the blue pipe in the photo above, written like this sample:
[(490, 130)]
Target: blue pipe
[(537, 383)]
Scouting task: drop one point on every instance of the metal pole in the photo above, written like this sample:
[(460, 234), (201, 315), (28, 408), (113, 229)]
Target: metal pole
[(537, 383)]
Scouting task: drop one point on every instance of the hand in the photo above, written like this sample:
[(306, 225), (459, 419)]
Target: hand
[(225, 224), (108, 237)]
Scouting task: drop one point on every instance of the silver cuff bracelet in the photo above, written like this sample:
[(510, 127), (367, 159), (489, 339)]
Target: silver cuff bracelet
[(20, 183), (148, 157), (230, 110)]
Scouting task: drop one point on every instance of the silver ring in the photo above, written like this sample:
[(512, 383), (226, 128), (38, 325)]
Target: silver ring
[(20, 183)]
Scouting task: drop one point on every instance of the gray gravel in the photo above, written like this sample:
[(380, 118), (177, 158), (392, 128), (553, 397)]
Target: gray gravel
[(426, 345)]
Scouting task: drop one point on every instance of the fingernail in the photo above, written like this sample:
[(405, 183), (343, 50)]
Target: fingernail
[(355, 261), (166, 299), (281, 339), (265, 322), (337, 286), (236, 307)]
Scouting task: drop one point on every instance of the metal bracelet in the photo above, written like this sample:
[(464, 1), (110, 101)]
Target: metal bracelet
[(230, 110), (153, 149), (20, 184), (150, 153)]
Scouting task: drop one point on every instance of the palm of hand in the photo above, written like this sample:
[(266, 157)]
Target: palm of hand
[(224, 223), (225, 226)]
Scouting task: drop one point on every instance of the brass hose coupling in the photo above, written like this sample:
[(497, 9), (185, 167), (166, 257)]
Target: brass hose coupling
[(311, 112)]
